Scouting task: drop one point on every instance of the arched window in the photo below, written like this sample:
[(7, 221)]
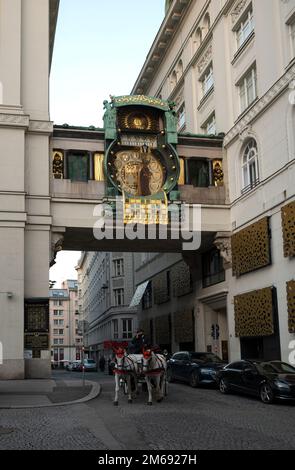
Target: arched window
[(250, 166), (180, 69), (198, 38), (173, 79), (206, 24)]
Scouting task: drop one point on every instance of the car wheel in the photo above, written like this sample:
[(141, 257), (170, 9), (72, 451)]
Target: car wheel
[(194, 380), (223, 386), (266, 394), (169, 376)]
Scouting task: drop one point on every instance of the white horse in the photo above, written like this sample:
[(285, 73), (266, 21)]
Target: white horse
[(154, 368), (126, 366)]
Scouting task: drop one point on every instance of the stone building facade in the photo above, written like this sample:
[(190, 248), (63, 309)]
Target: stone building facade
[(65, 336), (230, 66), (106, 286)]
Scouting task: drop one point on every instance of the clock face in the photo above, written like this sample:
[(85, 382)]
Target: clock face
[(139, 173)]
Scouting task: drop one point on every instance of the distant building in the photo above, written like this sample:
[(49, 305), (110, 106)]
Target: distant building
[(106, 286), (65, 337)]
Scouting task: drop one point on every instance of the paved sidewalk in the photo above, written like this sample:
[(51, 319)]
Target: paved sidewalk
[(45, 393)]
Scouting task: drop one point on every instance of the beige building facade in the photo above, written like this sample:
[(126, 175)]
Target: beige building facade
[(229, 66), (106, 286), (66, 340), (26, 41)]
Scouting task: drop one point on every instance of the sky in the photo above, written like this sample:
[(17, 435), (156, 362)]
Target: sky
[(100, 48)]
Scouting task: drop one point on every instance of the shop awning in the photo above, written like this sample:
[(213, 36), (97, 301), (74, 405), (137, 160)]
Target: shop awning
[(136, 299)]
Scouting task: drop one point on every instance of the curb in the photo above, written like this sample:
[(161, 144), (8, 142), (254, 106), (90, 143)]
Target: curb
[(94, 393)]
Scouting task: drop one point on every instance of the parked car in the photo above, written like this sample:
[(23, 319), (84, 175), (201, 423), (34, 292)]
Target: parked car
[(74, 366), (267, 380), (89, 365), (194, 367)]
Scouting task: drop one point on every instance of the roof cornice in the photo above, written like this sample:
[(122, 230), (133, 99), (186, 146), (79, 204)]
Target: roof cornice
[(161, 44)]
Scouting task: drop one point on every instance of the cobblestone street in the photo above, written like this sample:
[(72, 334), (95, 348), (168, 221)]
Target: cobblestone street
[(189, 419)]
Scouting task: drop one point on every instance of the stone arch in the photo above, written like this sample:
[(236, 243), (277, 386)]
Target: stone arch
[(173, 79), (179, 69), (206, 23)]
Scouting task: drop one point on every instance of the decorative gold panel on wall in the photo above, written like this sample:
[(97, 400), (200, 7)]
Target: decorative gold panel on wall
[(98, 167), (183, 327), (162, 330), (160, 288), (218, 175), (288, 226), (181, 279), (58, 164), (254, 313), (251, 248), (181, 179), (291, 305)]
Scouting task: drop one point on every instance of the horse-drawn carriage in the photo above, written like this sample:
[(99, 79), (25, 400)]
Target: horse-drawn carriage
[(147, 369)]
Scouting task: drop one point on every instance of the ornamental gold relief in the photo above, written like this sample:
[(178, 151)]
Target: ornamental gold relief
[(162, 326), (291, 305), (251, 248), (254, 313), (288, 227), (183, 327), (58, 164), (160, 288), (181, 279)]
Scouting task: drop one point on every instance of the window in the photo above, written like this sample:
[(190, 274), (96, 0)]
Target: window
[(118, 267), (61, 341), (213, 270), (206, 24), (55, 332), (181, 117), (198, 38), (127, 328), (55, 302), (245, 28), (250, 166), (61, 354), (60, 332), (115, 329), (248, 89), (210, 126), (55, 341), (60, 313), (119, 297), (55, 322), (78, 166), (198, 173), (147, 299), (173, 80), (55, 312), (60, 322), (207, 81)]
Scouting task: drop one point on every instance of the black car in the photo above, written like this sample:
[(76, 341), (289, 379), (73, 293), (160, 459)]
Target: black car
[(267, 380), (194, 367)]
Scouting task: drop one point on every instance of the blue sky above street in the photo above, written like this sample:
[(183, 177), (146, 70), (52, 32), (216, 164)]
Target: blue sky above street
[(100, 47)]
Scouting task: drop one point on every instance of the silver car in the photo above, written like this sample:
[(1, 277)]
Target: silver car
[(90, 365)]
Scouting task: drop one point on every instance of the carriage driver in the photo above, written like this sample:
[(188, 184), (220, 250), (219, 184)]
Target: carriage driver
[(138, 342)]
